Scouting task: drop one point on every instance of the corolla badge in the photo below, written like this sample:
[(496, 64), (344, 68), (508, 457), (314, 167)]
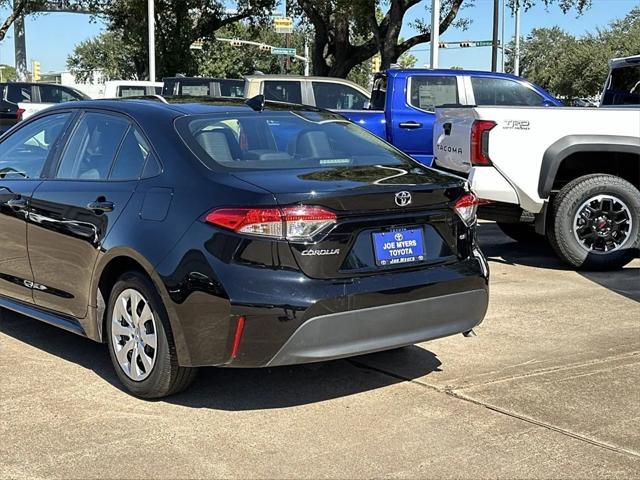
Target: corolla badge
[(403, 198)]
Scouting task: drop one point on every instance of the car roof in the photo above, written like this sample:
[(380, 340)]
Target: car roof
[(178, 105), (447, 71)]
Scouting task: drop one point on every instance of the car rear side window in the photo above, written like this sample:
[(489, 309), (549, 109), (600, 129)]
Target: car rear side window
[(502, 91), (125, 91), (283, 91), (24, 153), (132, 156), (53, 94), (338, 97), (430, 91), (92, 147), (19, 93), (624, 87)]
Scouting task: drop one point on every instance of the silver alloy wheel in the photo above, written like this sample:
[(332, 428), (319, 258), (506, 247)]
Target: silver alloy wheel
[(602, 224), (134, 334)]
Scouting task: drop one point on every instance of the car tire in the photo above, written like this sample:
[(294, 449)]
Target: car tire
[(155, 373), (586, 199), (520, 232)]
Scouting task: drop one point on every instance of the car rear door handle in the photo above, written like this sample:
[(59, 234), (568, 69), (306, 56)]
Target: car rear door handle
[(101, 206), (410, 125)]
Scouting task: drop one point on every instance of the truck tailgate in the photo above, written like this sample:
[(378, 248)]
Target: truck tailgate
[(452, 138)]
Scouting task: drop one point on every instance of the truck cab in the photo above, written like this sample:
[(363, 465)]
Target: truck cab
[(403, 102)]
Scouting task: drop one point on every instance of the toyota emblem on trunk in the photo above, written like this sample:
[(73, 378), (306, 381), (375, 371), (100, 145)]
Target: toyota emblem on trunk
[(403, 198)]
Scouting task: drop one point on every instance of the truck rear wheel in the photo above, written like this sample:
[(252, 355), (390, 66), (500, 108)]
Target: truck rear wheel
[(595, 222)]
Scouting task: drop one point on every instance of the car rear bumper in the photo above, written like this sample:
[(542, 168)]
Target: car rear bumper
[(374, 329)]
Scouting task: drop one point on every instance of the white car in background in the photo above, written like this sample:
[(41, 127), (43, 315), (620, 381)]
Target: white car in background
[(323, 92), (131, 88), (570, 173)]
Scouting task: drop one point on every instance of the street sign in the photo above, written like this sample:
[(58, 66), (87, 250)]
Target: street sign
[(283, 24), (283, 51), (485, 43)]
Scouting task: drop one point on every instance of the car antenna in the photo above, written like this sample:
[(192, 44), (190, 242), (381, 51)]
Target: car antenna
[(256, 103)]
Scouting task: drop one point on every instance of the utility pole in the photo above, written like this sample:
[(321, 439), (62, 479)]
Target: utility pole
[(516, 53), (152, 39), (502, 36), (435, 32), (494, 44)]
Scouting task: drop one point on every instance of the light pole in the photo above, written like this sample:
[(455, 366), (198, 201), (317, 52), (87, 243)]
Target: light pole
[(516, 53), (152, 39), (494, 42), (435, 32)]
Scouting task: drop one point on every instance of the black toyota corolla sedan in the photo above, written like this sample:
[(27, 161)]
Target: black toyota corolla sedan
[(230, 234)]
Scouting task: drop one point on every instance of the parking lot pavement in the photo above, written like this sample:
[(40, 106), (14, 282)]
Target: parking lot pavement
[(549, 388)]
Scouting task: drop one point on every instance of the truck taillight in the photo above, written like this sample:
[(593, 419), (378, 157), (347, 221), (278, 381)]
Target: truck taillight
[(480, 142), (296, 223)]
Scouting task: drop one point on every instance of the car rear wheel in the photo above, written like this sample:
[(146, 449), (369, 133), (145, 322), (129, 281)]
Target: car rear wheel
[(520, 232), (595, 222), (140, 342)]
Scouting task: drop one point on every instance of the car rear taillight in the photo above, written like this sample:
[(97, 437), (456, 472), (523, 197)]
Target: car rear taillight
[(19, 114), (466, 208), (480, 142), (296, 223)]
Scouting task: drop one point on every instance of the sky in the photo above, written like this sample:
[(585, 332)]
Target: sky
[(51, 38)]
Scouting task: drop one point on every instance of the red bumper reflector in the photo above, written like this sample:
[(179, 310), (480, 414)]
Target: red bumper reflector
[(237, 337)]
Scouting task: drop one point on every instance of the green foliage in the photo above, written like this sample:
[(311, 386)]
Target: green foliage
[(179, 23), (220, 59), (110, 54), (574, 67), (7, 73)]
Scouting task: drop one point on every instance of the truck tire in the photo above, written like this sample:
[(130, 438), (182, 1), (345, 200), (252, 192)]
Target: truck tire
[(595, 222), (520, 232)]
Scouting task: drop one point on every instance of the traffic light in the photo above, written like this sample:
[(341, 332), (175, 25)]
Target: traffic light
[(376, 63), (35, 70), (236, 43), (265, 48), (465, 44), (442, 45)]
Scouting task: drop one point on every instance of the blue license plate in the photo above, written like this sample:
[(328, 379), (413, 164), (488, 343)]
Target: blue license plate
[(399, 246)]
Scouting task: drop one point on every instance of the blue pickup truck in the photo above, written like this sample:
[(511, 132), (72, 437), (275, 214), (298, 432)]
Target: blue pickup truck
[(403, 102)]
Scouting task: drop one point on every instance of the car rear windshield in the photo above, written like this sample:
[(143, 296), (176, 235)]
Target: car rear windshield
[(624, 87), (283, 140)]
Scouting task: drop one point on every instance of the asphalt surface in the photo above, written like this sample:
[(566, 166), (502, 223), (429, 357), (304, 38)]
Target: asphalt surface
[(550, 388)]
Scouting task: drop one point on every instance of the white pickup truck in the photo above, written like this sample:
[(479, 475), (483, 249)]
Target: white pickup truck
[(572, 174)]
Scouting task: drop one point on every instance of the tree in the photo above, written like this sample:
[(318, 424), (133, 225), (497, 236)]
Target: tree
[(573, 67), (220, 59), (349, 32), (122, 52), (18, 8), (7, 73), (179, 23), (107, 53)]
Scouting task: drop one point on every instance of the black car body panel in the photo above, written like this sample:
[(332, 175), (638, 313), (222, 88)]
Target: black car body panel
[(62, 248)]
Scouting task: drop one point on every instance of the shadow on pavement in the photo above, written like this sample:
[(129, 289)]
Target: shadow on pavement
[(501, 249), (230, 389)]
